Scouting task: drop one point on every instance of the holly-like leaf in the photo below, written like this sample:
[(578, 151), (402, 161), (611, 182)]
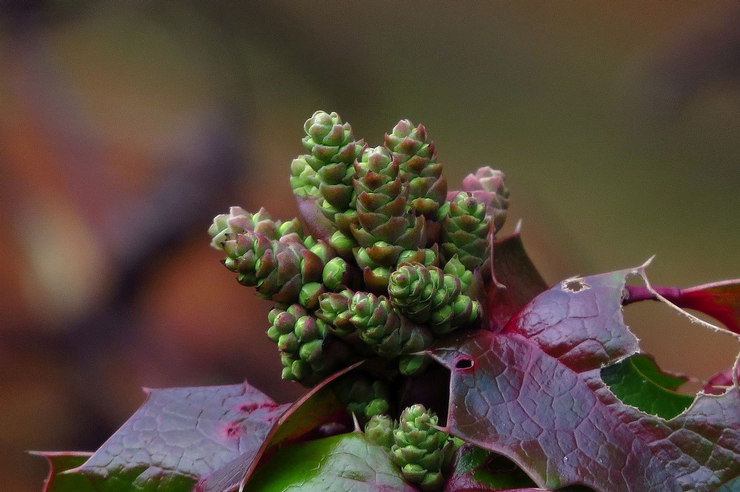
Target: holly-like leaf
[(60, 462), (317, 407), (179, 435), (517, 281), (638, 381), (534, 393), (346, 462)]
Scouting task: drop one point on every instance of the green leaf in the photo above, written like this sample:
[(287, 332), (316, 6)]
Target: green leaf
[(475, 468), (338, 463), (60, 462), (638, 381)]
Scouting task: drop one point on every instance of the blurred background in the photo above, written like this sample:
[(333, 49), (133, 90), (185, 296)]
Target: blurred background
[(125, 126)]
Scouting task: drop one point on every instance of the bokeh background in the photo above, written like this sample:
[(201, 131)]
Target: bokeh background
[(125, 126)]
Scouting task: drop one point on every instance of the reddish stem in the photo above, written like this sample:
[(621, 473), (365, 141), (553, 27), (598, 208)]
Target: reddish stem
[(637, 293)]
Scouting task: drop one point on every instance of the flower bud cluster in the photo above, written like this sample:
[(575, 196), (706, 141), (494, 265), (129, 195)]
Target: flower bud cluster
[(415, 445), (390, 259)]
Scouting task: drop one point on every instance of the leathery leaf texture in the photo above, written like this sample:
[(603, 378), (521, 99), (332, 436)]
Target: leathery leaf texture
[(436, 355)]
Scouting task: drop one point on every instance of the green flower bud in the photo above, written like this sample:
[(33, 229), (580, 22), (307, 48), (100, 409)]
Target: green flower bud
[(310, 294), (465, 227), (417, 160), (364, 397), (413, 364), (419, 449), (379, 430), (301, 339), (336, 273), (455, 268), (488, 186)]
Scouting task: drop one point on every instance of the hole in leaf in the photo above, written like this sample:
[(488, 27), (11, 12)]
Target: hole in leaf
[(464, 364), (232, 430), (574, 285)]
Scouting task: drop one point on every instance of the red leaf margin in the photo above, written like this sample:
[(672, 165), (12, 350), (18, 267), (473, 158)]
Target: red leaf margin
[(537, 385)]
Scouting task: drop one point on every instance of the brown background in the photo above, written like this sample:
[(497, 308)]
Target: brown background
[(125, 126)]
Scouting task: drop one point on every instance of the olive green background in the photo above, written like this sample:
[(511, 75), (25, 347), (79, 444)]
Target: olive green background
[(616, 124)]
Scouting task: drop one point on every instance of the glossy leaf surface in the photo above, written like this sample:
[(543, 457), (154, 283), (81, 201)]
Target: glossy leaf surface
[(343, 463), (58, 481), (534, 394), (180, 435), (637, 381)]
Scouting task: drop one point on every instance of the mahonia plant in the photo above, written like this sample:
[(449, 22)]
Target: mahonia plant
[(435, 355)]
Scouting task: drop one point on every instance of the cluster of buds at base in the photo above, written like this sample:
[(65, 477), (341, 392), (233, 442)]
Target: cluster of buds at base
[(392, 259), (416, 446), (364, 397)]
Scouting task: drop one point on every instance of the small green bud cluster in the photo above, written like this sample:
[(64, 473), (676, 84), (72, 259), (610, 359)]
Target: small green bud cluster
[(300, 337), (391, 257), (428, 296), (364, 397), (415, 445)]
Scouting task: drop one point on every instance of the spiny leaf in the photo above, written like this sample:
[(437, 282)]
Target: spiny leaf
[(60, 462), (317, 407), (516, 282), (346, 462), (180, 435), (534, 394)]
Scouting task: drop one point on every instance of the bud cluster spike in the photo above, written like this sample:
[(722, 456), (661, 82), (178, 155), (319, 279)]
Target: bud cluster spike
[(488, 186), (325, 174), (388, 262), (417, 159), (414, 444), (301, 339), (465, 228), (390, 257), (385, 226), (428, 296)]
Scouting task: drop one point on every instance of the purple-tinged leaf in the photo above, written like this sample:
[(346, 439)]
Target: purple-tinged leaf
[(533, 393), (720, 300), (314, 409), (182, 434), (517, 281), (579, 322), (60, 462), (720, 382)]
